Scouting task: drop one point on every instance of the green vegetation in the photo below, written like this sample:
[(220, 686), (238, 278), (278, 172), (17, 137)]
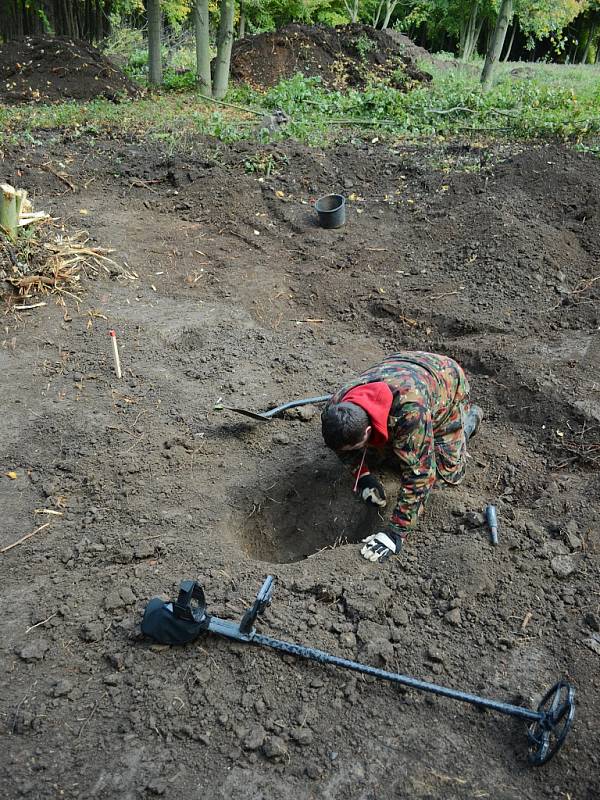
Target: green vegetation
[(539, 101), (364, 45)]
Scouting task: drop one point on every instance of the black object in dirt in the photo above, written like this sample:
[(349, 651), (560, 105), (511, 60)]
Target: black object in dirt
[(331, 210), (178, 622), (548, 725)]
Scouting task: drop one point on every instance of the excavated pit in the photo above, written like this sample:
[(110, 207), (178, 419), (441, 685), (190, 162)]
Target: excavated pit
[(312, 509)]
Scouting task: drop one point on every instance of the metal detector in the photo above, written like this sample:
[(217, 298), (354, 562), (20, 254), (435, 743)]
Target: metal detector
[(182, 620)]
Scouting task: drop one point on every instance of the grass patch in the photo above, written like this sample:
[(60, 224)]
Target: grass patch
[(167, 117), (539, 101)]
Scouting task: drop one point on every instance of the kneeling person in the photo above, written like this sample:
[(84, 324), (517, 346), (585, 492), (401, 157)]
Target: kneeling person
[(412, 410)]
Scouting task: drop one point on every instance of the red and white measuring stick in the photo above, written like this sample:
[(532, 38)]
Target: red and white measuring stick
[(115, 349)]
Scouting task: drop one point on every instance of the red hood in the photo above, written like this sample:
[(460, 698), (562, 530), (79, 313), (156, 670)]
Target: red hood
[(376, 399)]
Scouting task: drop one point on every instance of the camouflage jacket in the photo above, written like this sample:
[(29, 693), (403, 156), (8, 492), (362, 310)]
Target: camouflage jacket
[(425, 432)]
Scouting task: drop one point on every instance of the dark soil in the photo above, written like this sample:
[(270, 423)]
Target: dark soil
[(242, 300), (47, 69), (344, 56)]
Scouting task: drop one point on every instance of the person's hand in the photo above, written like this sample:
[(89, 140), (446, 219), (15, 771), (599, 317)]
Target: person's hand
[(371, 491), (380, 546)]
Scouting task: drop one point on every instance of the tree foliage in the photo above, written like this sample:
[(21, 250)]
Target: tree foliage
[(562, 28), (540, 18)]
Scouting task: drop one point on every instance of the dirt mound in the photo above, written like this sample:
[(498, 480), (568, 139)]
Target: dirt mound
[(344, 56), (408, 48), (46, 69)]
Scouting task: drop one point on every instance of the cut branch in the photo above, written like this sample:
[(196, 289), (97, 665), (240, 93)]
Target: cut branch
[(8, 210)]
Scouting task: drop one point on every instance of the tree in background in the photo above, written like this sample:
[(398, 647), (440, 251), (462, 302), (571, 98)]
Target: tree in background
[(385, 9), (80, 19), (461, 21), (154, 37), (224, 45), (590, 30), (505, 15), (541, 18), (566, 30), (538, 19), (352, 7), (202, 32)]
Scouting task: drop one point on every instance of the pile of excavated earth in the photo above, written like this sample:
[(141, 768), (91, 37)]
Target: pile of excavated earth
[(48, 69), (349, 55)]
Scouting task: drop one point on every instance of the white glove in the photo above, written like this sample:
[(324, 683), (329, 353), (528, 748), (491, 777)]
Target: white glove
[(380, 546)]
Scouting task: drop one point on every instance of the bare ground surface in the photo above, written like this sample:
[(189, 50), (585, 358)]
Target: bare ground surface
[(485, 256)]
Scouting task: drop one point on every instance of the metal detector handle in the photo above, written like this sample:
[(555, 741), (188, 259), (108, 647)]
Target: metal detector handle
[(263, 599), (182, 607)]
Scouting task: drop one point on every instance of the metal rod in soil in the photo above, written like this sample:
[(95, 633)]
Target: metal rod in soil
[(322, 657)]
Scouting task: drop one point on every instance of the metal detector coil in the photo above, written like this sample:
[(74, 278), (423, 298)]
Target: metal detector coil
[(549, 724), (547, 735)]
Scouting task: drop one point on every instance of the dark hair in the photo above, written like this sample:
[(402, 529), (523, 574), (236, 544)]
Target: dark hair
[(343, 424)]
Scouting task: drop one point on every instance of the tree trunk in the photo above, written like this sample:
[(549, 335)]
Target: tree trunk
[(390, 7), (588, 44), (378, 14), (351, 7), (512, 40), (201, 24), (78, 21), (242, 26), (224, 43), (493, 54), (102, 23), (154, 54), (8, 210), (477, 35), (71, 24), (19, 18), (468, 33)]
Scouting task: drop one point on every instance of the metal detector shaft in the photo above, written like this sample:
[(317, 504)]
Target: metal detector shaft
[(556, 708), (548, 725), (223, 628), (297, 403), (326, 658)]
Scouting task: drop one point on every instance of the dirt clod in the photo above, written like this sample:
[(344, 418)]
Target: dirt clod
[(274, 748), (454, 617), (563, 566), (255, 738), (592, 621), (34, 651), (474, 519)]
